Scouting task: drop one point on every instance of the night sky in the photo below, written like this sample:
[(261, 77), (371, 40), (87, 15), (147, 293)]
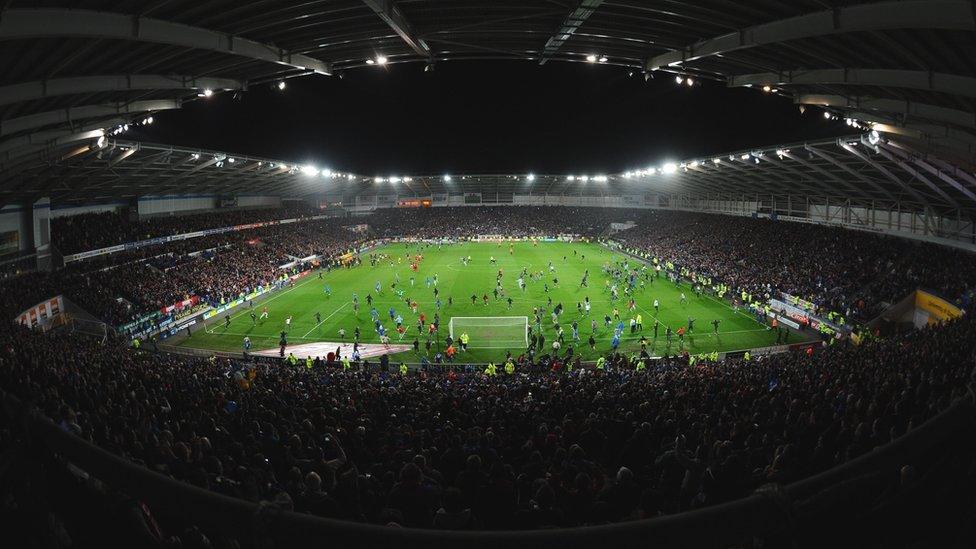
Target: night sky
[(488, 117)]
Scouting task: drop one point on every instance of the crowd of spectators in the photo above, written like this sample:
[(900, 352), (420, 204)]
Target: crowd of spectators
[(123, 287), (853, 273), (84, 232), (459, 450), (518, 221)]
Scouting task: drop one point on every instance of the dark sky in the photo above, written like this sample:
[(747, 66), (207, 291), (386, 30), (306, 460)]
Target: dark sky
[(488, 117)]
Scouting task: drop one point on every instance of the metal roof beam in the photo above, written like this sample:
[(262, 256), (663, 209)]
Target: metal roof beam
[(75, 114), (394, 18), (55, 23), (940, 82), (887, 173), (848, 170), (41, 89), (570, 25), (917, 159), (121, 158), (893, 106), (918, 175), (877, 16)]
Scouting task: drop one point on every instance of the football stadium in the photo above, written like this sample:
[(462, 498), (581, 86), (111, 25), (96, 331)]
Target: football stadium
[(464, 274)]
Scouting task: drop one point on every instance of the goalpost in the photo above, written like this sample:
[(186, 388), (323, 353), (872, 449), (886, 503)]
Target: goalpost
[(491, 332)]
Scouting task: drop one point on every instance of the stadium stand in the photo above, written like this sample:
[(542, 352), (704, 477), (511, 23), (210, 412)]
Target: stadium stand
[(112, 436), (456, 450)]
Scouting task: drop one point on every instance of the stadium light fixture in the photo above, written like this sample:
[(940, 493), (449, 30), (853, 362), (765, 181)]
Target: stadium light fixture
[(370, 62), (207, 92), (281, 85), (394, 179), (101, 142), (570, 178), (196, 156), (693, 164), (874, 137), (584, 178), (378, 180), (591, 58), (679, 80), (351, 177), (690, 81), (603, 59), (600, 178), (530, 177), (310, 170), (669, 168), (716, 161), (381, 60), (827, 115), (446, 178)]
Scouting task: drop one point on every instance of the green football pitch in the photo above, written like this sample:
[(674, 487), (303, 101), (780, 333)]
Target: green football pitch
[(737, 330)]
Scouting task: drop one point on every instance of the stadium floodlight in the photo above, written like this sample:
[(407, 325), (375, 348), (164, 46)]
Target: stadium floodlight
[(101, 142), (603, 59), (407, 179), (351, 177), (584, 178), (326, 172), (310, 170), (446, 178), (207, 92), (196, 156), (716, 161), (669, 168), (281, 85), (600, 178), (679, 80), (381, 60), (626, 175), (874, 137), (591, 58), (530, 177), (394, 179), (693, 164), (231, 160), (827, 115), (690, 82), (570, 178), (370, 62)]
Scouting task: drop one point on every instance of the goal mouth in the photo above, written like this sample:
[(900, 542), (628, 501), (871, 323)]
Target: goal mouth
[(491, 332)]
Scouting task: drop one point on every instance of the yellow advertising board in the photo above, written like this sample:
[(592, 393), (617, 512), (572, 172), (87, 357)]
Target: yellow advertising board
[(939, 309)]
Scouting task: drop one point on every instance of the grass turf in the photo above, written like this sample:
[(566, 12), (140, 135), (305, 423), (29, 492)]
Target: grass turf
[(737, 330)]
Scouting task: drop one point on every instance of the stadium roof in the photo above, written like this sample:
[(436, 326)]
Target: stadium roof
[(864, 169), (72, 69)]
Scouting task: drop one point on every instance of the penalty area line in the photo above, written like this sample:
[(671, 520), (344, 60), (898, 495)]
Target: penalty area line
[(341, 307)]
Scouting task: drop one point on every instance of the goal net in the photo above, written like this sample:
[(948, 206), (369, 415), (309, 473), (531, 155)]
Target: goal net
[(490, 332)]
